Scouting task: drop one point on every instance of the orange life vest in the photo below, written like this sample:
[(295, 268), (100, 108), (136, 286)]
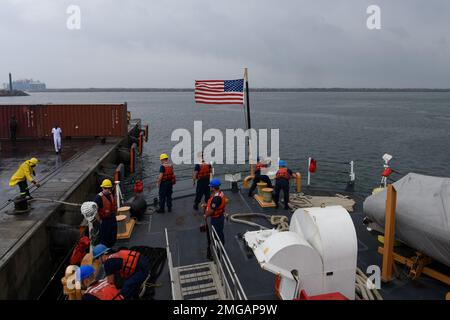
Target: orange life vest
[(205, 171), (104, 291), (168, 174), (221, 209), (129, 261), (108, 207), (283, 173), (259, 166)]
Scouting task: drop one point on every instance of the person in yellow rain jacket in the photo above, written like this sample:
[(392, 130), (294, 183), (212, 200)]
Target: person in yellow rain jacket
[(24, 173)]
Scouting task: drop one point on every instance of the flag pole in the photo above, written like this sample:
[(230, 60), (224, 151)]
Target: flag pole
[(249, 124)]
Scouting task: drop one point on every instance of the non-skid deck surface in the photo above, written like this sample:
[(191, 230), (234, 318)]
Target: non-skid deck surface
[(188, 246)]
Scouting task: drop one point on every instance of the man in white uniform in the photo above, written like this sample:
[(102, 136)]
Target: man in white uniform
[(57, 138)]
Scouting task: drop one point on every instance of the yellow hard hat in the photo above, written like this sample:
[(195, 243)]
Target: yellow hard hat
[(106, 184), (34, 161), (163, 156)]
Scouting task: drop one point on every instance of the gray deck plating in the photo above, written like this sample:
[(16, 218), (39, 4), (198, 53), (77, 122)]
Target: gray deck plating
[(188, 246)]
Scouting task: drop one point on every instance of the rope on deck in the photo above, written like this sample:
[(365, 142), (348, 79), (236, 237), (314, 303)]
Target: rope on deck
[(364, 288), (300, 200), (279, 221)]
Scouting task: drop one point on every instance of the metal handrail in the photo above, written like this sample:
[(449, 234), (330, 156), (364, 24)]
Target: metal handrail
[(170, 264), (221, 259)]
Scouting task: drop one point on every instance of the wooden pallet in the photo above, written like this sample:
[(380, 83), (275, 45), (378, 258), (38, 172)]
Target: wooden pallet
[(262, 203), (127, 234)]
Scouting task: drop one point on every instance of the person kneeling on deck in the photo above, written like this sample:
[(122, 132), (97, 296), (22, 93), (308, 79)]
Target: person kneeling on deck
[(130, 265), (215, 208), (96, 290), (24, 173), (166, 181), (202, 174), (282, 179), (260, 177), (107, 209)]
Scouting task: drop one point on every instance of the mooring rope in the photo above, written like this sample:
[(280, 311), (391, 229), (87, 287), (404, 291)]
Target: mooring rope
[(280, 222)]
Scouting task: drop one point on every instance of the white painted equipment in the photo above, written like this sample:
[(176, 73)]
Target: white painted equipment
[(321, 245)]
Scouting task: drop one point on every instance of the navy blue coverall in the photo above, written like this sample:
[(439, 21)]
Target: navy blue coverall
[(132, 284), (108, 226)]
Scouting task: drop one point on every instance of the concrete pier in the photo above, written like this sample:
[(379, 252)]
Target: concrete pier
[(26, 261)]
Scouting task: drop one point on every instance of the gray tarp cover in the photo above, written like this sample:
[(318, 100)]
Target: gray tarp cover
[(422, 215)]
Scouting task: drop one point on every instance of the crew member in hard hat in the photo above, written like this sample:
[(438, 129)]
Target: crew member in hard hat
[(201, 176), (130, 265), (260, 177), (25, 172), (56, 131), (107, 210), (96, 290), (282, 179), (166, 181), (215, 208), (137, 204)]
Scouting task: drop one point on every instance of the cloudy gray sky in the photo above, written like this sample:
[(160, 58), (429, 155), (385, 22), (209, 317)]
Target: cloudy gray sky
[(170, 43)]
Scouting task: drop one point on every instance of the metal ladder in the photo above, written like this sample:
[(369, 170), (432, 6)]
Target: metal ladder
[(213, 280), (198, 282)]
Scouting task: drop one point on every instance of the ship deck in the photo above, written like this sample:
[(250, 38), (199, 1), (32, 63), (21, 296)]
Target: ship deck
[(188, 246)]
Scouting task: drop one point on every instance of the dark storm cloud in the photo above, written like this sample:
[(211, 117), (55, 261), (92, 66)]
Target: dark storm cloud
[(171, 43)]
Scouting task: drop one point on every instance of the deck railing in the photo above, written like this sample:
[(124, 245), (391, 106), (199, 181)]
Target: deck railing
[(228, 277), (170, 265)]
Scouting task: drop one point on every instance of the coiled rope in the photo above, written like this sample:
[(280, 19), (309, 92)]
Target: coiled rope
[(280, 222), (364, 288)]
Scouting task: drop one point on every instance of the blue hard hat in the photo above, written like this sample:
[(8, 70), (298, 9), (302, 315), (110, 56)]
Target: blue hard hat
[(85, 272), (282, 163), (214, 183), (99, 250)]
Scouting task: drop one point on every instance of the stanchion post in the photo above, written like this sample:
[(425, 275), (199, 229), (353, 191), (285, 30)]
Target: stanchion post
[(132, 157), (352, 171), (389, 234), (141, 142), (299, 182), (309, 173)]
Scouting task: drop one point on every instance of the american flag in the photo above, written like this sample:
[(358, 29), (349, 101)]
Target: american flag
[(219, 91)]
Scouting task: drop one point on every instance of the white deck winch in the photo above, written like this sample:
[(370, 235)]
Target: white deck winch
[(321, 245)]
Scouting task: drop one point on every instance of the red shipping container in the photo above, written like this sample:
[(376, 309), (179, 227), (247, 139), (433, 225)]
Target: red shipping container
[(27, 120), (75, 120)]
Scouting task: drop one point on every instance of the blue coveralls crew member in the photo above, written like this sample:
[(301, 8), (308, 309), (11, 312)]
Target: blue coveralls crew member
[(259, 177), (24, 173), (201, 176), (282, 179), (107, 210), (96, 290), (166, 181), (215, 208), (13, 129), (130, 265)]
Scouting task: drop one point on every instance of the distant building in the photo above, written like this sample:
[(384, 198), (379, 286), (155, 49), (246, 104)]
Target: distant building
[(26, 85)]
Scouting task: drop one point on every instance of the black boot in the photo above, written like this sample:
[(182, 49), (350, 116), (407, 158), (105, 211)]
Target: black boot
[(169, 209), (250, 194), (195, 206), (160, 210)]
